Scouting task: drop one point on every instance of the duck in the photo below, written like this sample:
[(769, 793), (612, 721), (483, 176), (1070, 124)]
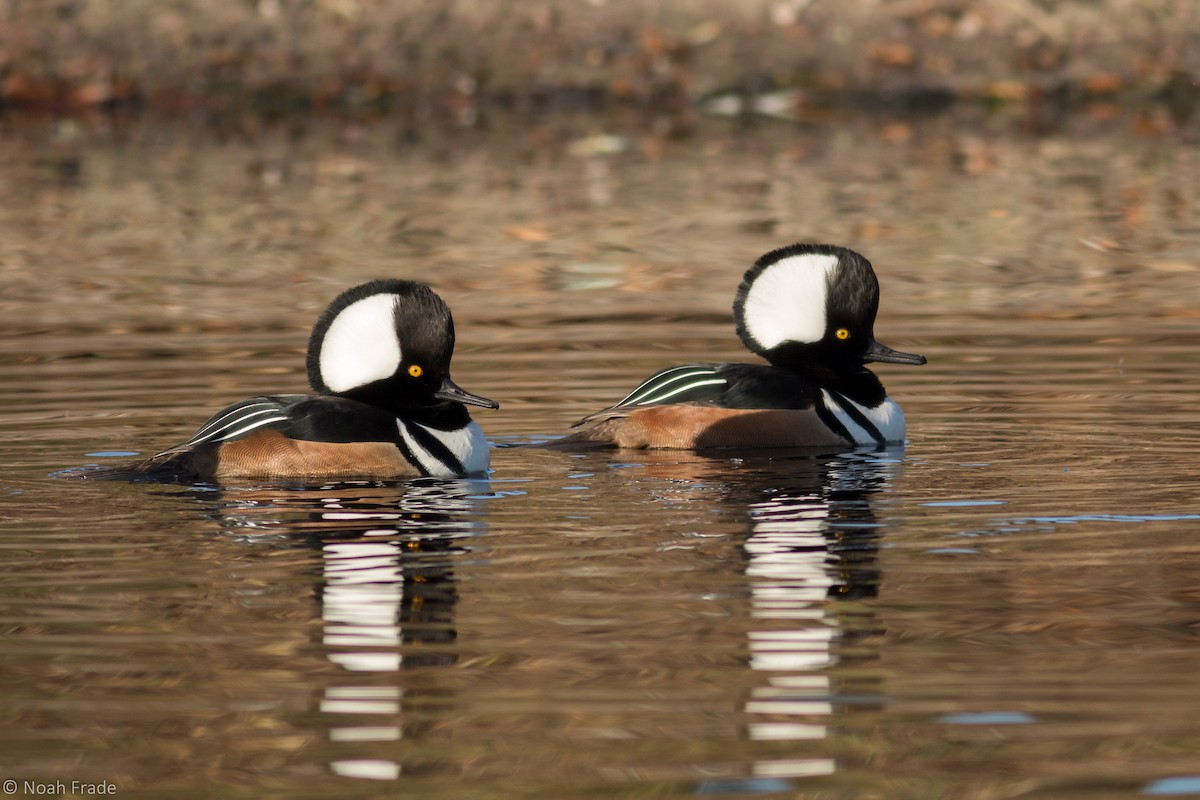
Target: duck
[(809, 311), (384, 405)]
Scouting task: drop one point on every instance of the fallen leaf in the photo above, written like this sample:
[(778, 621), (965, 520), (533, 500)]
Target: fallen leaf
[(1173, 266), (527, 234)]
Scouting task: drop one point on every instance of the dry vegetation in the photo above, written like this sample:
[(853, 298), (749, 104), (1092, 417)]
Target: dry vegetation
[(433, 57)]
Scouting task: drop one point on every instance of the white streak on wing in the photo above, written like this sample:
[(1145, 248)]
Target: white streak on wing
[(786, 301), (256, 424), (237, 410), (658, 388), (240, 415), (661, 377), (658, 398), (360, 345)]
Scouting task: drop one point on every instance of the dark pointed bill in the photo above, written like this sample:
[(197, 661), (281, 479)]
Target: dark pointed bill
[(456, 394), (881, 352)]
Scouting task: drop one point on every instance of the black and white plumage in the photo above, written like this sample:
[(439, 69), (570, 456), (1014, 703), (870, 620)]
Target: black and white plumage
[(379, 360), (809, 310)]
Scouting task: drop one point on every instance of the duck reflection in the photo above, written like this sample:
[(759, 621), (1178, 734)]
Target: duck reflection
[(385, 587), (391, 585), (812, 544)]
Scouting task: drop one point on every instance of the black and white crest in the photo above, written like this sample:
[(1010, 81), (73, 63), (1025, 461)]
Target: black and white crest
[(791, 295), (369, 331)]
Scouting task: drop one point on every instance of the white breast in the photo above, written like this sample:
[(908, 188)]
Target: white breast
[(468, 445), (886, 416)]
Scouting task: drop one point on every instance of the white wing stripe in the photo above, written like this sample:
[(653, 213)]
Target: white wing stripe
[(236, 410), (250, 427), (219, 432), (653, 380), (658, 398), (656, 388)]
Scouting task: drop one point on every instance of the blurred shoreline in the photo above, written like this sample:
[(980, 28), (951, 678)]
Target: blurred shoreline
[(788, 58)]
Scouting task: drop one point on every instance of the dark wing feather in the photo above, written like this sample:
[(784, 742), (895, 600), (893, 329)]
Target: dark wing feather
[(721, 385), (326, 418), (314, 418), (238, 420), (311, 418)]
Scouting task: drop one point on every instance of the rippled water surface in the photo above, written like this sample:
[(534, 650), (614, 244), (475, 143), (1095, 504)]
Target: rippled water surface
[(1007, 607)]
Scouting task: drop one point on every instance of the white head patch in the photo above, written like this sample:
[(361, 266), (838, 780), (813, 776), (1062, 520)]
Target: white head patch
[(360, 345), (786, 301)]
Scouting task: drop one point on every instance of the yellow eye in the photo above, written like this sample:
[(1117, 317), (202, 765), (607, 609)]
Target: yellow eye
[(842, 333), (415, 371)]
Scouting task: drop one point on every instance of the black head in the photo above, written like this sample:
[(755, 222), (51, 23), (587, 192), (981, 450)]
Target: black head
[(813, 306), (387, 343)]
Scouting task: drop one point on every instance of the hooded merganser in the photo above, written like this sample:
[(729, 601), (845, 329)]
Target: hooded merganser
[(379, 360), (809, 310)]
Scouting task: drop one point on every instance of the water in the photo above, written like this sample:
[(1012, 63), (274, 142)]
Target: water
[(1004, 608)]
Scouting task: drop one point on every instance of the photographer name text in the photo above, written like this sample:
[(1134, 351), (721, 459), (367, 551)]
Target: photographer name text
[(58, 788)]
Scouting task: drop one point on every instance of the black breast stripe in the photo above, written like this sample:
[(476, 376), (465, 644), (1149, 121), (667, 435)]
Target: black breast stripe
[(410, 456), (831, 421), (859, 418), (432, 445)]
